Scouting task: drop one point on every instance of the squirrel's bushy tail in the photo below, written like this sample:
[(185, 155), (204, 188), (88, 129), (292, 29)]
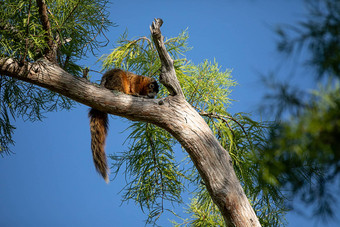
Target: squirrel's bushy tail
[(99, 127)]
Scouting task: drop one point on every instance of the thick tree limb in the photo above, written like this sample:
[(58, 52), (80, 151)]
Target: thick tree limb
[(210, 158), (49, 75)]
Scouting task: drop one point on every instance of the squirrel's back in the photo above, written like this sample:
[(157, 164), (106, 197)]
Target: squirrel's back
[(130, 83)]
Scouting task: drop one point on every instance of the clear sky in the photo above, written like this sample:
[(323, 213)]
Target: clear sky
[(51, 180)]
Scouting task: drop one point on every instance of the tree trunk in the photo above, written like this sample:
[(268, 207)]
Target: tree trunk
[(172, 113)]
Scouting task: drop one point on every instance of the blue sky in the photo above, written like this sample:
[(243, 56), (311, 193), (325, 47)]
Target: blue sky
[(51, 180)]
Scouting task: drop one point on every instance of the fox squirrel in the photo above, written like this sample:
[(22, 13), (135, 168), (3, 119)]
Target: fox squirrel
[(128, 83)]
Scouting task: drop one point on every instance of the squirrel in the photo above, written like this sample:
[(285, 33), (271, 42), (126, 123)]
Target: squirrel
[(128, 83)]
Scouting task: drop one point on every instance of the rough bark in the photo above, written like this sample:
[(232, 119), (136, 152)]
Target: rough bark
[(172, 113), (210, 158)]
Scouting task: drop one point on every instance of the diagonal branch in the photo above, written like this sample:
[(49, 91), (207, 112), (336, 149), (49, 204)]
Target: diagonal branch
[(168, 75), (212, 161), (72, 11)]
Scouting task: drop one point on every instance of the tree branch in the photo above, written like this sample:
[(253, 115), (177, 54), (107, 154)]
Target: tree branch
[(49, 75), (27, 31), (168, 75), (51, 51), (210, 158)]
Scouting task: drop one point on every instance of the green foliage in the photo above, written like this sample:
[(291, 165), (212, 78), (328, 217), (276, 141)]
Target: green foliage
[(24, 100), (74, 24), (152, 181), (304, 154), (17, 26), (203, 212), (156, 175), (141, 57), (319, 33)]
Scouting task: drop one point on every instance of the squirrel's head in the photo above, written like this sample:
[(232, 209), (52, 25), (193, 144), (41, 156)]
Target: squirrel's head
[(152, 88)]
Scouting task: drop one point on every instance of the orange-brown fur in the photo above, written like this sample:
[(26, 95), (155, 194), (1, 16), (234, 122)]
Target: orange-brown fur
[(99, 127), (123, 81), (130, 83)]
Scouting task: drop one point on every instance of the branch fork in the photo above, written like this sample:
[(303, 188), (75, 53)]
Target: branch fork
[(210, 158)]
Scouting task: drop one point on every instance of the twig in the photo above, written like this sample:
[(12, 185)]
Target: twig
[(27, 31), (153, 148), (140, 38), (224, 119), (94, 37), (72, 11)]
